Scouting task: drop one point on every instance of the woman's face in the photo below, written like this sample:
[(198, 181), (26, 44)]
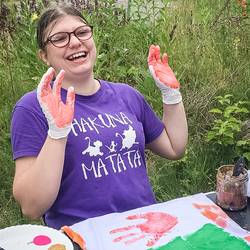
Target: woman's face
[(77, 58)]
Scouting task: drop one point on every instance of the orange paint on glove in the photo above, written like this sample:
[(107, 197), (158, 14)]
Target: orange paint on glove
[(161, 70), (58, 114), (163, 76)]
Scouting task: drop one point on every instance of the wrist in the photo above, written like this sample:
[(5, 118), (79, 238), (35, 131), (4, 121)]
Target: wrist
[(171, 96), (58, 133)]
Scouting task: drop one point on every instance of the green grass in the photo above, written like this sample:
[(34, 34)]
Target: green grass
[(208, 50)]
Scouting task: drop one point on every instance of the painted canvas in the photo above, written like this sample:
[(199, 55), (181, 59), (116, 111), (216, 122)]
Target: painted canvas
[(188, 223)]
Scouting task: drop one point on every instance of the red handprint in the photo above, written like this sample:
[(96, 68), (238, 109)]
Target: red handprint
[(213, 213), (157, 224)]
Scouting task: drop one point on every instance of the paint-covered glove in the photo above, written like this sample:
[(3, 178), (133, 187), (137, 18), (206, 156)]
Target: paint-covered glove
[(58, 114), (164, 76)]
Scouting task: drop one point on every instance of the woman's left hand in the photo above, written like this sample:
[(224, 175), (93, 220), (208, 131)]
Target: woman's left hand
[(163, 76)]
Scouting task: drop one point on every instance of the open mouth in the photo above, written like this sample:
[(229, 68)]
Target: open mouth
[(77, 56)]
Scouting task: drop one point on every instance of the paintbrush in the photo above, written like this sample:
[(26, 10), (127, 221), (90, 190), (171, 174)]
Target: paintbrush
[(239, 164)]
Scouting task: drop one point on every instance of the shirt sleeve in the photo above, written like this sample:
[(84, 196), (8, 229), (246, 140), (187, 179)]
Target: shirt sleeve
[(28, 132), (152, 125)]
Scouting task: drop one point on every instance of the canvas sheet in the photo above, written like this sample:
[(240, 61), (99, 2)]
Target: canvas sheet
[(192, 222)]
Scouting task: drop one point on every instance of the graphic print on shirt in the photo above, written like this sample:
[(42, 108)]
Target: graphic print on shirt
[(111, 144), (112, 147), (128, 138), (93, 150)]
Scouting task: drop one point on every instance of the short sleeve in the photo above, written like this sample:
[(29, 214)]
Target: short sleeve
[(28, 132), (152, 125)]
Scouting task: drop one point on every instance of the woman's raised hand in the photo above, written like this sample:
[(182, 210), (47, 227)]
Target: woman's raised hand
[(163, 76), (58, 114)]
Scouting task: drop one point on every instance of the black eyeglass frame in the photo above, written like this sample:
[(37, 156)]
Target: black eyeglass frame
[(69, 36)]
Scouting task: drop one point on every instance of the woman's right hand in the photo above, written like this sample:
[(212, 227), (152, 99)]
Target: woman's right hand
[(58, 114)]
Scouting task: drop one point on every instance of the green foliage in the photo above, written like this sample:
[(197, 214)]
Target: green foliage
[(227, 125), (194, 173), (151, 93), (243, 148)]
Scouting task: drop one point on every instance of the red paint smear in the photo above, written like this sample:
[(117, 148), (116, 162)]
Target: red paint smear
[(221, 222), (123, 237), (128, 242), (156, 225), (122, 229), (247, 238)]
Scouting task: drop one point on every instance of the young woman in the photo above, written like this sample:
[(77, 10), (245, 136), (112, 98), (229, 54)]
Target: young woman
[(78, 142)]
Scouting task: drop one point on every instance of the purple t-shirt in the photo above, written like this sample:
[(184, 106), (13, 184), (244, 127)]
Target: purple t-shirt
[(104, 169)]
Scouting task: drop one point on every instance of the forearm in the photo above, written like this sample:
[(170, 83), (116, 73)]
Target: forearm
[(36, 187), (174, 119), (171, 143)]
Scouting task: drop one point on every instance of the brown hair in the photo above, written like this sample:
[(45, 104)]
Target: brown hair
[(52, 14)]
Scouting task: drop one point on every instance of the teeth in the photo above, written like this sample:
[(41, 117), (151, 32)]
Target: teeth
[(74, 56)]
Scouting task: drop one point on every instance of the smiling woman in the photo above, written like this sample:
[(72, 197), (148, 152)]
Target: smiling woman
[(79, 142), (67, 44)]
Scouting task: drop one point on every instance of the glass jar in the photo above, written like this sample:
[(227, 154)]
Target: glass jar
[(231, 191)]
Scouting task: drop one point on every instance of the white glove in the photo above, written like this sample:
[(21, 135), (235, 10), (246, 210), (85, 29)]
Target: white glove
[(163, 76), (58, 114)]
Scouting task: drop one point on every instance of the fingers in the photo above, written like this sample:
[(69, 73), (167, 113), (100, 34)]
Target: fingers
[(151, 55), (44, 85), (165, 58), (58, 84), (154, 55), (134, 217), (70, 101), (157, 54)]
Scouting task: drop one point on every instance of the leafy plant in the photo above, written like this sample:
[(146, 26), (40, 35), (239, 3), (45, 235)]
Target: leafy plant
[(244, 146), (227, 125)]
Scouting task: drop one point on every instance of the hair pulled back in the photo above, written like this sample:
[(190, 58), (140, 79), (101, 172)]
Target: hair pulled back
[(52, 14)]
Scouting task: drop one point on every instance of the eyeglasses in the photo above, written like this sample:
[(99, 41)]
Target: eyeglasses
[(62, 39)]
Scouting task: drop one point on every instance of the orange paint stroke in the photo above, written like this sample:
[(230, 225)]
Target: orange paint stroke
[(75, 237), (213, 213)]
